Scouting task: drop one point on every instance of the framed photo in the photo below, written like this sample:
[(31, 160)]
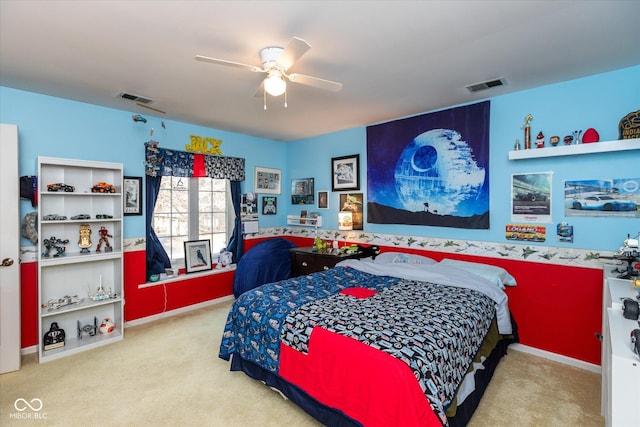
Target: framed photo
[(345, 173), (323, 199), (353, 202), (267, 181), (302, 191), (269, 205), (197, 255), (132, 187)]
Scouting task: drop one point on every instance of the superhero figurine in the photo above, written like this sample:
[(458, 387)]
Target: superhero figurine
[(104, 233), (56, 244)]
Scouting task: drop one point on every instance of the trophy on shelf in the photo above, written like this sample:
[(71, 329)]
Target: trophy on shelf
[(84, 242)]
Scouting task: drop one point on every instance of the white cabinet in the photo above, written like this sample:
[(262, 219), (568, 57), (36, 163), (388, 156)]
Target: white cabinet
[(79, 277), (620, 365)]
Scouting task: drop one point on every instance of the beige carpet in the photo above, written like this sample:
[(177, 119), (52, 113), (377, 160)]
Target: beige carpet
[(167, 373)]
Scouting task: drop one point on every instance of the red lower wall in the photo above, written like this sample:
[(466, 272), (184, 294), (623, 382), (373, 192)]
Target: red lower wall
[(557, 308)]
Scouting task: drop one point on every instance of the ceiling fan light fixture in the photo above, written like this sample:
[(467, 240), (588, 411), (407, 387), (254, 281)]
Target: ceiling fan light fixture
[(274, 84)]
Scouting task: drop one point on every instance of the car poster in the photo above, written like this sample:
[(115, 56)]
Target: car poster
[(615, 197), (531, 197)]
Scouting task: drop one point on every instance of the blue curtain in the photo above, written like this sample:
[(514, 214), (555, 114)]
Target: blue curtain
[(162, 162), (157, 258), (236, 244)]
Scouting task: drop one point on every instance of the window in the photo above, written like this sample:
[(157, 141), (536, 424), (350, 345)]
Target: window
[(191, 209)]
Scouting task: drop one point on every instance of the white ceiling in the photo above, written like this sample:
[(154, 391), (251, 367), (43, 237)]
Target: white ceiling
[(394, 58)]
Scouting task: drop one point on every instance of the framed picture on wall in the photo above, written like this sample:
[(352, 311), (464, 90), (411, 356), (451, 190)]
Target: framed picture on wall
[(132, 187), (197, 255), (345, 173), (269, 205), (267, 181), (302, 191), (323, 199)]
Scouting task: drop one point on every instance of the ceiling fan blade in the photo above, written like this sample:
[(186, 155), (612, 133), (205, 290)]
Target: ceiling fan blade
[(294, 50), (315, 82), (217, 61)]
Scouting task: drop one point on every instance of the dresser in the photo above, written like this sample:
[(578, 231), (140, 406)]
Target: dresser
[(620, 365), (306, 260)]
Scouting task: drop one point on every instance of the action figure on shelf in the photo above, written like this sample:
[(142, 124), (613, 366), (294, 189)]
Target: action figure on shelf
[(85, 238), (54, 243), (104, 233)]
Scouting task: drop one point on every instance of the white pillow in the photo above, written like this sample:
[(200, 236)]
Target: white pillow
[(402, 258), (494, 274)]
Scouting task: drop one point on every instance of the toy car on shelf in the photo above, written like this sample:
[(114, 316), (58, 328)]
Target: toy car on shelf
[(103, 187), (59, 186), (104, 216), (54, 217), (603, 202), (81, 216)]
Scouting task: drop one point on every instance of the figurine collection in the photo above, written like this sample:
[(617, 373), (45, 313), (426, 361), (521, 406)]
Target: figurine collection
[(574, 138)]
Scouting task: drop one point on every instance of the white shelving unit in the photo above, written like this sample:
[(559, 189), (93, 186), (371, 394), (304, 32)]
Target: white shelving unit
[(307, 221), (620, 366), (76, 273), (576, 149)]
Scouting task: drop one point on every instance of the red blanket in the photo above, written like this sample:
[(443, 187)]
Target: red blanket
[(366, 384)]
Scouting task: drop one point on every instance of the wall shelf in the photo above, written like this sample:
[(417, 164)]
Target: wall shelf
[(572, 150), (308, 221)]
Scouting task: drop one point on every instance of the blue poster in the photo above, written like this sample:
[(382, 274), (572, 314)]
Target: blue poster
[(431, 169)]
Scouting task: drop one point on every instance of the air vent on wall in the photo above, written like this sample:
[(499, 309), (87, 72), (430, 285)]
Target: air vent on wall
[(136, 98), (486, 85)]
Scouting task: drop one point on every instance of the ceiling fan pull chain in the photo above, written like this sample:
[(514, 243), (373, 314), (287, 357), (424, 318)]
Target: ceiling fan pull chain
[(285, 98), (265, 99)]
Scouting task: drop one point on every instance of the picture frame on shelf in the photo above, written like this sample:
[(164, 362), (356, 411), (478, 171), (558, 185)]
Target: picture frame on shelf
[(267, 180), (323, 199), (132, 188), (302, 191), (197, 256), (345, 173)]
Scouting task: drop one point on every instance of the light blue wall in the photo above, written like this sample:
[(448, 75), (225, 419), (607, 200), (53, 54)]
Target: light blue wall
[(55, 127), (598, 101)]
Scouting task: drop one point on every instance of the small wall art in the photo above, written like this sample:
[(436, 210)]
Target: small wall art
[(302, 191)]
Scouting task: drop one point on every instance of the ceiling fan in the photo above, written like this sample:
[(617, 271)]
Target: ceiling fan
[(276, 62)]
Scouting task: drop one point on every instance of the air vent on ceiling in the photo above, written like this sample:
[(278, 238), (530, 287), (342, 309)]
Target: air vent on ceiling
[(486, 85), (136, 98)]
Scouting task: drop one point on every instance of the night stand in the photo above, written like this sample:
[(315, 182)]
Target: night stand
[(307, 260)]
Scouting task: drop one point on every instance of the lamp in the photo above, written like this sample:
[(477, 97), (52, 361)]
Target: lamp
[(274, 84), (345, 220)]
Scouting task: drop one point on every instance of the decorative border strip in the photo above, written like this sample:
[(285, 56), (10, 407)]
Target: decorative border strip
[(516, 251)]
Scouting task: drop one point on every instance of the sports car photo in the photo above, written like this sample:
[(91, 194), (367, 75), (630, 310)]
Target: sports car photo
[(603, 203)]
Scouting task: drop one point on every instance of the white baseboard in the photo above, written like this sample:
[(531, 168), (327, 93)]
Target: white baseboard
[(177, 311), (29, 350), (556, 357)]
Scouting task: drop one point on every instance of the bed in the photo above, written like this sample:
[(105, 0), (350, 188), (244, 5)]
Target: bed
[(396, 340)]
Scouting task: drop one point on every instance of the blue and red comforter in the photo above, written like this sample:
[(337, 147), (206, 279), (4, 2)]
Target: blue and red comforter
[(379, 348)]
